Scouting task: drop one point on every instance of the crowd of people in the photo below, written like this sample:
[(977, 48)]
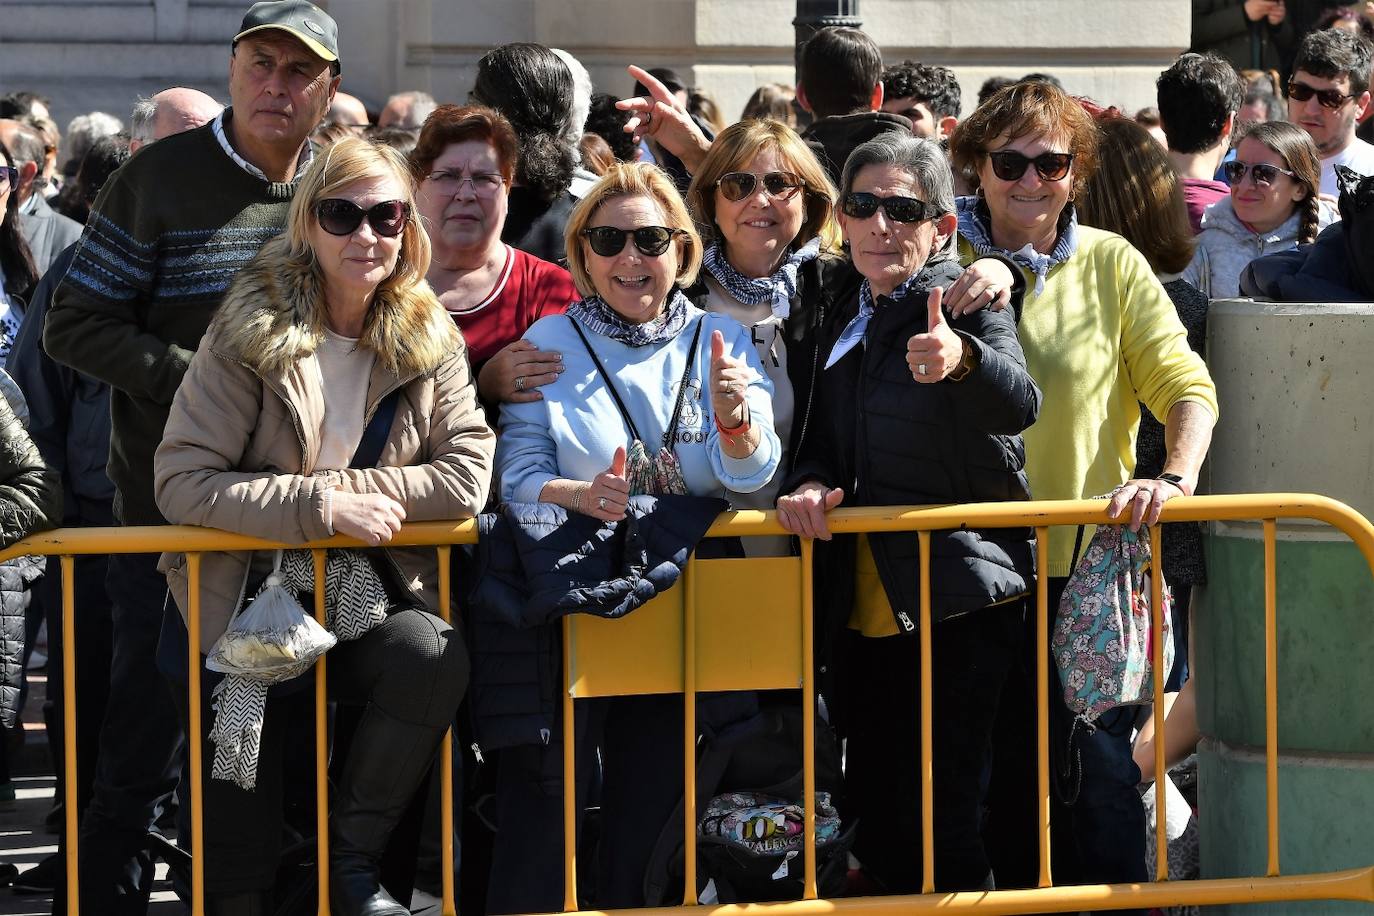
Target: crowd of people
[(576, 314)]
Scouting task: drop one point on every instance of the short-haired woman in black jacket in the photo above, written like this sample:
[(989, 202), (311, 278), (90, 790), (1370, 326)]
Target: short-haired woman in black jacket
[(916, 407)]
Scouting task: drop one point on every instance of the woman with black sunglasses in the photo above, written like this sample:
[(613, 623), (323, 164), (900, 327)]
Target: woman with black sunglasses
[(773, 262), (913, 406), (656, 397), (331, 395), (1275, 205), (1101, 336)]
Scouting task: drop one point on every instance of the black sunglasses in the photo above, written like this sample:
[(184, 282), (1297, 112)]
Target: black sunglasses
[(9, 176), (862, 205), (652, 241), (343, 217), (1328, 98), (1010, 165), (1235, 172), (739, 185)]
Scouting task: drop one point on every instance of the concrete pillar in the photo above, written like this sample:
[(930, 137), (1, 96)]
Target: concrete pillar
[(1294, 385)]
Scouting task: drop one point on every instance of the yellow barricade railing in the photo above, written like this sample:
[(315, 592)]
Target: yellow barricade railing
[(686, 641)]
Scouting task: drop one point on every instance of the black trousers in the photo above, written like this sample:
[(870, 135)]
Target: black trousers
[(413, 666), (140, 746), (971, 657), (1100, 837)]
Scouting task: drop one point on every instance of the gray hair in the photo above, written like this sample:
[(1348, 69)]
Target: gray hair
[(923, 160), (422, 105), (581, 102), (84, 130), (142, 120)]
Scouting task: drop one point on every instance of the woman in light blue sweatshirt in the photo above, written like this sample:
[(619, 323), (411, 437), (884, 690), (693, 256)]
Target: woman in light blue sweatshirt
[(655, 396)]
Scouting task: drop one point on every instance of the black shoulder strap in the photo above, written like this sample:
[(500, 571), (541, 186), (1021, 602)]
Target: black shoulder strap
[(606, 377), (370, 446), (670, 436), (1077, 546)]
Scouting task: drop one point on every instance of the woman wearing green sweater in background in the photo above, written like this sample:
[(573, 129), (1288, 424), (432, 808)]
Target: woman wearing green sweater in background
[(1100, 337)]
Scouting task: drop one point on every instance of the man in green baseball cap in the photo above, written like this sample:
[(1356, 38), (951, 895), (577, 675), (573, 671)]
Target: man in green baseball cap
[(312, 25)]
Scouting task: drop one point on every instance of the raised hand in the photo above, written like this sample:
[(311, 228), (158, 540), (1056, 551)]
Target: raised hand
[(936, 353), (609, 492), (665, 120), (729, 381)]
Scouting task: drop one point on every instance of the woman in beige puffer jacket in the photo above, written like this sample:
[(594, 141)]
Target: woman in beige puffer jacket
[(330, 319)]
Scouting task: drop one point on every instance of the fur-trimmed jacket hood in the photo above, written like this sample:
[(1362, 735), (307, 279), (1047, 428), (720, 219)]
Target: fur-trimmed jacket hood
[(241, 448), (274, 315)]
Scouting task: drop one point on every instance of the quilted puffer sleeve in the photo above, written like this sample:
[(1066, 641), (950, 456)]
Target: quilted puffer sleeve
[(30, 493)]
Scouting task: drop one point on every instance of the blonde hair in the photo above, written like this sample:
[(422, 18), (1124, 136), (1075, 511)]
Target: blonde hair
[(633, 179), (733, 150)]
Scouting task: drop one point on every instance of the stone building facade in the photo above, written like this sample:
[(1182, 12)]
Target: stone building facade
[(96, 54)]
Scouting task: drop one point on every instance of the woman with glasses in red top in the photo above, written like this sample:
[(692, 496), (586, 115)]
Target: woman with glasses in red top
[(463, 166)]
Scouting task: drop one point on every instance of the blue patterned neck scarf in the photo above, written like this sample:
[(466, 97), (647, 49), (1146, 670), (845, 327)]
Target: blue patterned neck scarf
[(975, 224), (779, 289), (853, 333), (601, 318)]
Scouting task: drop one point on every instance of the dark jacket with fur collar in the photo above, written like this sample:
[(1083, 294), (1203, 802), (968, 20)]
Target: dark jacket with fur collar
[(243, 437)]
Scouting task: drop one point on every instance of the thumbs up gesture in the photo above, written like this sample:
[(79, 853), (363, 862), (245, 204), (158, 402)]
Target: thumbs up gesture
[(609, 491), (729, 381), (936, 353)]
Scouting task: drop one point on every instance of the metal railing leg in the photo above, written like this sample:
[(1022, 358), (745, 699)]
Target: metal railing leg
[(446, 800), (1042, 701), (69, 812)]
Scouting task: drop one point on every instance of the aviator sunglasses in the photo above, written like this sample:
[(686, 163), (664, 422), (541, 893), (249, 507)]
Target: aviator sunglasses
[(1264, 173), (343, 217), (862, 205), (1010, 165), (9, 176), (739, 185), (1327, 98), (652, 241)]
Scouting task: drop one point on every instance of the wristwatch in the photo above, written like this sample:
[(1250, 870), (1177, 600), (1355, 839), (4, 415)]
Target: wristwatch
[(1176, 481), (968, 361)]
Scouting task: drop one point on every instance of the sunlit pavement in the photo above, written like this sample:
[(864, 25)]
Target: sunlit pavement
[(24, 839)]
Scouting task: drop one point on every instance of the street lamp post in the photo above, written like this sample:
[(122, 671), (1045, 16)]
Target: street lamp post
[(814, 15)]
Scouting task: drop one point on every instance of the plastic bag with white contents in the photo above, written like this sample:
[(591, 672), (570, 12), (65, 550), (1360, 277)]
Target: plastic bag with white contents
[(272, 639)]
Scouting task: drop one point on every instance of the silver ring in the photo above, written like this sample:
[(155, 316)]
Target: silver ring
[(601, 503), (648, 117), (519, 383), (920, 368)]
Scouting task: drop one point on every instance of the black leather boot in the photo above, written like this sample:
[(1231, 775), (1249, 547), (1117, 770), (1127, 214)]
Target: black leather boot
[(385, 764), (253, 903)]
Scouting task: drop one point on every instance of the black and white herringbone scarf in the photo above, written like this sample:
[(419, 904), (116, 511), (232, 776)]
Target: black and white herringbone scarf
[(778, 290), (355, 601)]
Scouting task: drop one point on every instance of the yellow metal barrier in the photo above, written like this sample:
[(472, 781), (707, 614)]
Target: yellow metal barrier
[(689, 641)]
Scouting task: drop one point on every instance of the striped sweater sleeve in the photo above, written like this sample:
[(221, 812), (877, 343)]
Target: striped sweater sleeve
[(98, 316)]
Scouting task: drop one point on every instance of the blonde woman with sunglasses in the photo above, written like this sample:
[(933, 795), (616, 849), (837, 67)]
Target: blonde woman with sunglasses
[(331, 395)]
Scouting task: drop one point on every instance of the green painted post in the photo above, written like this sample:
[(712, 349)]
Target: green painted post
[(1297, 416)]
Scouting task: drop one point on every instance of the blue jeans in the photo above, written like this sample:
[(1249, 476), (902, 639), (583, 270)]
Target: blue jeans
[(140, 747)]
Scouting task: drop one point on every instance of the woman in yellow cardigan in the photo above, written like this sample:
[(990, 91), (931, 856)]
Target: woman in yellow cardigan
[(1100, 337)]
